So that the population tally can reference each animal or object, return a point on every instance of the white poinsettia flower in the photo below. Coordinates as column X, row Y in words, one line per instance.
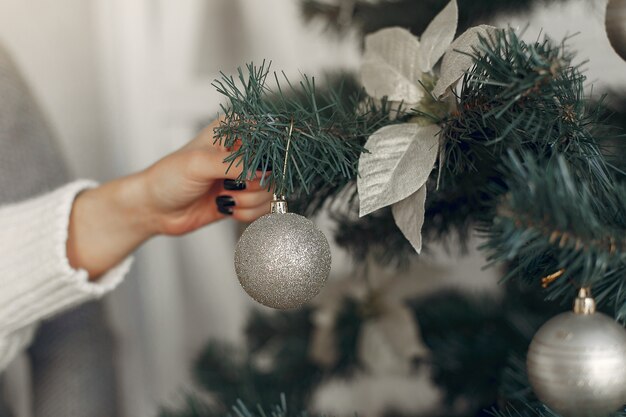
column 394, row 60
column 401, row 157
column 397, row 65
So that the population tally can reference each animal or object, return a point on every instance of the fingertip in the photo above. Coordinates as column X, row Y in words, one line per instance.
column 232, row 170
column 255, row 184
column 234, row 185
column 251, row 214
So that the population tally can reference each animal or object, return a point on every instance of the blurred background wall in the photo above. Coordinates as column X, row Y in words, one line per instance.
column 123, row 82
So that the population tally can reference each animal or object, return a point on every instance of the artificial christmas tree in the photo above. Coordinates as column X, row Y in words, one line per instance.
column 515, row 151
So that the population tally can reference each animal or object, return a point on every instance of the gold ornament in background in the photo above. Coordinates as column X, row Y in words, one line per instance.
column 615, row 21
column 577, row 362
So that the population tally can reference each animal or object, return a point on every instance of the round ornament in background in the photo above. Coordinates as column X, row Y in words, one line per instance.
column 282, row 259
column 577, row 362
column 615, row 22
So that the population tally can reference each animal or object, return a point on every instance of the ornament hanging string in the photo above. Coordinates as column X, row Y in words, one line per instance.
column 281, row 195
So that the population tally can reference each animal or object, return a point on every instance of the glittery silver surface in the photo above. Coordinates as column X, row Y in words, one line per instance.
column 282, row 260
column 577, row 365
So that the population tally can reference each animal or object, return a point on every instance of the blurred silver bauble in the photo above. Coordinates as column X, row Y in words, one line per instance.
column 615, row 22
column 577, row 362
column 282, row 260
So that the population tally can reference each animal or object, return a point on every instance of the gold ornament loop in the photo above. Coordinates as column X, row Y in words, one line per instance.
column 278, row 205
column 584, row 303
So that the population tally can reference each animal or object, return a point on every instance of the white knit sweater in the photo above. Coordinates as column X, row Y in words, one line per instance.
column 36, row 279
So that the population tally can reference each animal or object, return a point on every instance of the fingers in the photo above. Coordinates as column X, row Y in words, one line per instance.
column 250, row 214
column 206, row 137
column 255, row 184
column 243, row 205
column 245, row 200
column 208, row 165
column 206, row 158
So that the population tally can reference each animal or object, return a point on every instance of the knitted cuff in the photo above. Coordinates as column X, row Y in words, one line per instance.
column 36, row 279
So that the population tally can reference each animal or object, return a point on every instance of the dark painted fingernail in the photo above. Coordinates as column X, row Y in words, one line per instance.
column 225, row 210
column 234, row 185
column 225, row 204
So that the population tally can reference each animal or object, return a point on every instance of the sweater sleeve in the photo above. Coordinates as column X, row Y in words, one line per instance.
column 36, row 279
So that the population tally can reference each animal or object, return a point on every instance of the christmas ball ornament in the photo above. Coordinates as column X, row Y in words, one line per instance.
column 282, row 260
column 615, row 22
column 577, row 362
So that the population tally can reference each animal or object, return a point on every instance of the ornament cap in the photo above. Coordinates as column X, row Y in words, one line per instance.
column 278, row 205
column 584, row 303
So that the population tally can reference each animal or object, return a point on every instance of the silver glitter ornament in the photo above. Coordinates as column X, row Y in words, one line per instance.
column 615, row 22
column 282, row 260
column 577, row 362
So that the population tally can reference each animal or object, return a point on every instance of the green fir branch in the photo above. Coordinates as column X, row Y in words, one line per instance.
column 531, row 410
column 525, row 410
column 277, row 410
column 240, row 408
column 327, row 130
column 551, row 220
column 521, row 96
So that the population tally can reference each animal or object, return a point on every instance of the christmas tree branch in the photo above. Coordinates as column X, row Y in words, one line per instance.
column 328, row 129
column 522, row 96
column 549, row 220
column 532, row 410
column 519, row 97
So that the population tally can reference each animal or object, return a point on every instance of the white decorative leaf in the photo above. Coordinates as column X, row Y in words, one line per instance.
column 400, row 160
column 409, row 217
column 456, row 61
column 438, row 35
column 390, row 65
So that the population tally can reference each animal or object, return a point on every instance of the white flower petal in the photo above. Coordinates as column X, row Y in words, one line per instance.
column 409, row 217
column 438, row 36
column 391, row 65
column 400, row 160
column 456, row 61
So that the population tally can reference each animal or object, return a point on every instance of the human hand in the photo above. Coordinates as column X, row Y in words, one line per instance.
column 178, row 194
column 190, row 188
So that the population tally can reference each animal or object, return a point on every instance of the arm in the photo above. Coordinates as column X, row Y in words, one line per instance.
column 71, row 245
column 176, row 195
